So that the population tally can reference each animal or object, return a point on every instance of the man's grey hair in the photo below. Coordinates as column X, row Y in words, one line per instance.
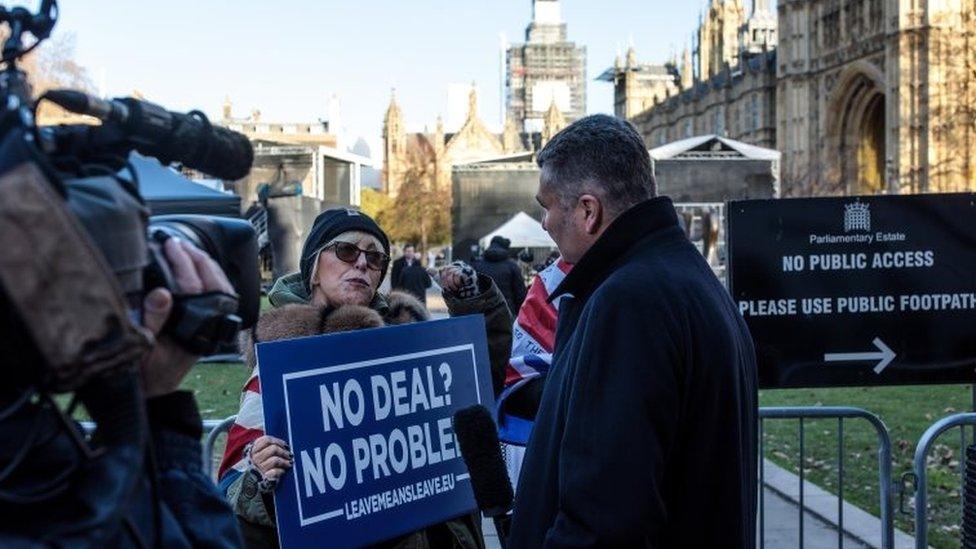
column 599, row 155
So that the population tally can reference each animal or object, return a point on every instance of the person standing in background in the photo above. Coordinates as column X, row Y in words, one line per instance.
column 414, row 278
column 396, row 271
column 506, row 273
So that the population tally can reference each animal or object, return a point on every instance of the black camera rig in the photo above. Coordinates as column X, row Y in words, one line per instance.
column 79, row 252
column 88, row 165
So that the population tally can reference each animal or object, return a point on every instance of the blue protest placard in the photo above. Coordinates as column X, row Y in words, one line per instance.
column 368, row 417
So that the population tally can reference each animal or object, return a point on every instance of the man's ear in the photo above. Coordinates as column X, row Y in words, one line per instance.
column 593, row 213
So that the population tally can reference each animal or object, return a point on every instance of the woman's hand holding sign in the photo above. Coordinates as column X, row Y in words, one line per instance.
column 271, row 457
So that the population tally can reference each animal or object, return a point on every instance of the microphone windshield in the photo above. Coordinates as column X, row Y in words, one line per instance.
column 481, row 450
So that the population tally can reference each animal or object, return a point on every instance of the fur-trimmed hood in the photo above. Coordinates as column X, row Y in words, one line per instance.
column 302, row 320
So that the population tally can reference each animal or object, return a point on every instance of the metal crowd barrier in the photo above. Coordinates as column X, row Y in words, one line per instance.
column 215, row 428
column 918, row 475
column 218, row 427
column 840, row 413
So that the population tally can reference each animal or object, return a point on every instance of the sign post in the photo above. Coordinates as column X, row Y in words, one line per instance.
column 852, row 291
column 367, row 415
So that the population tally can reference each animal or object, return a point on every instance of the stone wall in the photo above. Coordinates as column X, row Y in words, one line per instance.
column 860, row 97
column 872, row 94
column 740, row 105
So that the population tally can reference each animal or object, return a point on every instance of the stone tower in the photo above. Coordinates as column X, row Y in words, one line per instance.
column 687, row 72
column 438, row 141
column 441, row 160
column 704, row 48
column 638, row 86
column 546, row 66
column 758, row 34
column 718, row 37
column 553, row 123
column 473, row 141
column 395, row 147
column 510, row 136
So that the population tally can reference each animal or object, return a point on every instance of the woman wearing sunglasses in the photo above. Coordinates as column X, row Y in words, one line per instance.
column 343, row 261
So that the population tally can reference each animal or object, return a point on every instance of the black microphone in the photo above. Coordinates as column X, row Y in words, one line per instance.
column 482, row 453
column 152, row 130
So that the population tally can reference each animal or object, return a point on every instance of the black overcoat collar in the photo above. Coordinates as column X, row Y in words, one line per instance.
column 624, row 233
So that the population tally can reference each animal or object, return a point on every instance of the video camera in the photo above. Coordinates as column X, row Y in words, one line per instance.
column 79, row 252
column 86, row 168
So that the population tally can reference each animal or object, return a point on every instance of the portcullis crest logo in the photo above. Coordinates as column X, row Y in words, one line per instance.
column 857, row 217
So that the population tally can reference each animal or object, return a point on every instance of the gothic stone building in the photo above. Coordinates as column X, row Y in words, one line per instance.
column 725, row 86
column 473, row 142
column 639, row 86
column 860, row 96
column 739, row 104
column 876, row 95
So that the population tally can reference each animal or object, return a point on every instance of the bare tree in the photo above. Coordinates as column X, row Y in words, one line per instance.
column 967, row 100
column 422, row 211
column 53, row 65
column 954, row 168
column 809, row 178
column 967, row 38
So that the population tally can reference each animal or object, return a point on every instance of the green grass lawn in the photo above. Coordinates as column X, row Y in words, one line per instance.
column 217, row 387
column 907, row 412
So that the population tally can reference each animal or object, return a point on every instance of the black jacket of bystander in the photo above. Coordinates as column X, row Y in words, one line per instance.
column 506, row 274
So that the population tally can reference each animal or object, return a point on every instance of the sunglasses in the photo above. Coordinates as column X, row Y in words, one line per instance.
column 349, row 253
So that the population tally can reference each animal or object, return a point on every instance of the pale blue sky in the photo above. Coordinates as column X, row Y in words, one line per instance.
column 287, row 57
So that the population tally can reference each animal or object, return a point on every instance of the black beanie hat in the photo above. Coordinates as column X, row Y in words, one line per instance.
column 500, row 241
column 330, row 224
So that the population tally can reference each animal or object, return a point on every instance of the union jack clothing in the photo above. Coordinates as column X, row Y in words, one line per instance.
column 533, row 336
column 247, row 428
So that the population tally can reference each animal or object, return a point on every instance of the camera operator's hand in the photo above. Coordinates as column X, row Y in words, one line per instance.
column 194, row 273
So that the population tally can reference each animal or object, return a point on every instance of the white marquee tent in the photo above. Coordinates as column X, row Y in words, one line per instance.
column 523, row 231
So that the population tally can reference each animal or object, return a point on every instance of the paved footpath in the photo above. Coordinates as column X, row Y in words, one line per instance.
column 782, row 528
column 782, row 525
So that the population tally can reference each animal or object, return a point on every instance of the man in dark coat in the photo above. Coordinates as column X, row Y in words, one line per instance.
column 396, row 270
column 409, row 275
column 506, row 273
column 415, row 280
column 646, row 430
